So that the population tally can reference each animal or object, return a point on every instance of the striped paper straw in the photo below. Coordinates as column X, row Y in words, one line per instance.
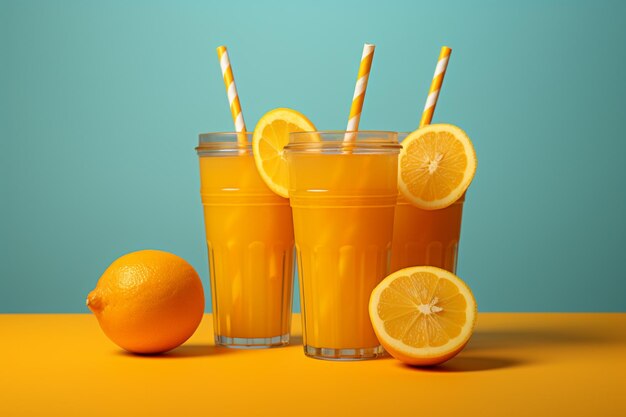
column 359, row 91
column 435, row 86
column 231, row 90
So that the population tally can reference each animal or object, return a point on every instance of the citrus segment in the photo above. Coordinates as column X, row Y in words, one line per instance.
column 437, row 164
column 422, row 315
column 270, row 136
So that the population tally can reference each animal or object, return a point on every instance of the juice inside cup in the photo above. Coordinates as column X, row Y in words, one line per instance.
column 249, row 233
column 343, row 200
column 426, row 237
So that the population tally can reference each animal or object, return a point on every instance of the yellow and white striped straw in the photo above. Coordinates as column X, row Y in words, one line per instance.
column 359, row 91
column 435, row 86
column 231, row 90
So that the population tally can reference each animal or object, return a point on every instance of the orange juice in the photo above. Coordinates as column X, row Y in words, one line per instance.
column 426, row 237
column 343, row 202
column 249, row 233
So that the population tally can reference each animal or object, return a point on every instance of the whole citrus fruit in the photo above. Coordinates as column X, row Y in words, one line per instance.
column 148, row 301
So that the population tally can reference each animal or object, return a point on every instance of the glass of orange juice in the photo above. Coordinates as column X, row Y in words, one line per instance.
column 426, row 237
column 343, row 197
column 249, row 233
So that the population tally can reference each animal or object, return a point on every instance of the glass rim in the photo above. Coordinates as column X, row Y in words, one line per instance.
column 215, row 143
column 366, row 140
column 343, row 132
column 222, row 135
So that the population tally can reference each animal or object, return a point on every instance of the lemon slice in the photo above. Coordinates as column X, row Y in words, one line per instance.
column 271, row 134
column 437, row 164
column 423, row 315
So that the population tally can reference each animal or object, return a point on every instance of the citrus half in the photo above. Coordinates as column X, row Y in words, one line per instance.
column 422, row 315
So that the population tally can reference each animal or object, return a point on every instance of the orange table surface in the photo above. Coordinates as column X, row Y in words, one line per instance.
column 517, row 364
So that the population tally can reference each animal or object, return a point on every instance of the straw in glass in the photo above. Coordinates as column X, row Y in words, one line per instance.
column 231, row 90
column 359, row 92
column 435, row 86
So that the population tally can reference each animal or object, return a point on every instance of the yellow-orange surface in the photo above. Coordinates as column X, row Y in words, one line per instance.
column 515, row 365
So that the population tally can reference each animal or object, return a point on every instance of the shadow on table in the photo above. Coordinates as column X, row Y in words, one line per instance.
column 295, row 340
column 473, row 357
column 525, row 338
column 185, row 351
column 468, row 364
column 199, row 350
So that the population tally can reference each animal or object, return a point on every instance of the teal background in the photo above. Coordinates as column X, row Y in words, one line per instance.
column 101, row 104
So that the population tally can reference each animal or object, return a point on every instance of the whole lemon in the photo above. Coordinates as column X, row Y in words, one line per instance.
column 148, row 301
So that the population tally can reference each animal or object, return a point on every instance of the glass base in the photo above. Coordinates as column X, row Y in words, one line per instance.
column 357, row 354
column 252, row 342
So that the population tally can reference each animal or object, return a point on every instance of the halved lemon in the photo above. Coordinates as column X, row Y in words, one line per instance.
column 271, row 134
column 437, row 164
column 423, row 315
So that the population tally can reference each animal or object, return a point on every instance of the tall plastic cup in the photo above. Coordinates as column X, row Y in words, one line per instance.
column 249, row 234
column 426, row 237
column 343, row 199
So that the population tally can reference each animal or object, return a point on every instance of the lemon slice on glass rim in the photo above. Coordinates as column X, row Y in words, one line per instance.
column 270, row 136
column 436, row 165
